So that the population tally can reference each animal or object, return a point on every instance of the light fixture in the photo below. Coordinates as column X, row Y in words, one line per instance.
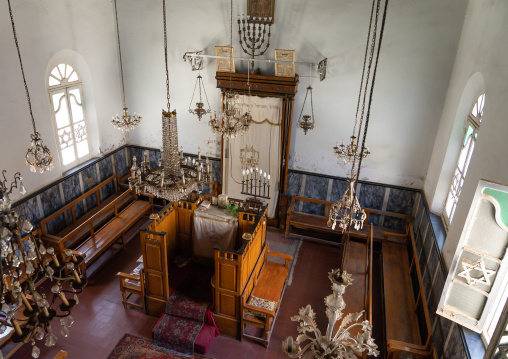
column 252, row 36
column 307, row 121
column 124, row 122
column 199, row 110
column 38, row 156
column 334, row 344
column 347, row 211
column 256, row 183
column 356, row 153
column 27, row 312
column 176, row 176
column 347, row 153
column 232, row 121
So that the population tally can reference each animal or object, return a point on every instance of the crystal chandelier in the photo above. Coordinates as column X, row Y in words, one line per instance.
column 307, row 122
column 347, row 153
column 27, row 312
column 124, row 122
column 38, row 155
column 331, row 345
column 176, row 176
column 347, row 211
column 200, row 106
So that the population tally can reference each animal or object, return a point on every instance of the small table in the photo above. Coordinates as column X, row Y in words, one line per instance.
column 213, row 226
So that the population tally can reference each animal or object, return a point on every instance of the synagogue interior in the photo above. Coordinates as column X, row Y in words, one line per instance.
column 254, row 179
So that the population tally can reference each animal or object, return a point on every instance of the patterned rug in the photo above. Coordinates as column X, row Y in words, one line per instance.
column 132, row 347
column 178, row 334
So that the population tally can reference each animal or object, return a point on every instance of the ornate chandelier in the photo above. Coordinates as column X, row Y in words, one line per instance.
column 347, row 211
column 176, row 176
column 38, row 155
column 307, row 122
column 125, row 122
column 331, row 345
column 347, row 153
column 199, row 110
column 24, row 310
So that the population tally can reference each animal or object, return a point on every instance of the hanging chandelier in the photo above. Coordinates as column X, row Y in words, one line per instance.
column 124, row 122
column 347, row 153
column 38, row 156
column 307, row 121
column 331, row 345
column 24, row 310
column 347, row 211
column 176, row 176
column 200, row 106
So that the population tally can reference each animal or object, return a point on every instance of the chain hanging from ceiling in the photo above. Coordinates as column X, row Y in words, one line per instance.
column 38, row 156
column 232, row 121
column 176, row 176
column 347, row 210
column 27, row 312
column 124, row 122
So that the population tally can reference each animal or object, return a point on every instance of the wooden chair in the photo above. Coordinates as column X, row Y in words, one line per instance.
column 132, row 284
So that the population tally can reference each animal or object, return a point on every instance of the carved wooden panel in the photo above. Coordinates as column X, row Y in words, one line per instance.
column 153, row 256
column 227, row 304
column 228, row 277
column 154, row 283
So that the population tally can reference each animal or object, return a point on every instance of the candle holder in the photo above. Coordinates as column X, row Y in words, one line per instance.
column 252, row 33
column 256, row 183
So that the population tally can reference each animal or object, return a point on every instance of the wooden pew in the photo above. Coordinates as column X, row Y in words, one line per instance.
column 71, row 238
column 297, row 219
column 91, row 240
column 132, row 283
column 267, row 285
column 408, row 330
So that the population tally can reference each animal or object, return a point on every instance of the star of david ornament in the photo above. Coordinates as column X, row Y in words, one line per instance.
column 479, row 265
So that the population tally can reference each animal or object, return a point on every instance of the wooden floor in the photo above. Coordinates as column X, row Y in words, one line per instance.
column 101, row 321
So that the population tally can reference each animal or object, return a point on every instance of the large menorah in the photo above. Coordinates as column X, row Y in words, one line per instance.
column 252, row 32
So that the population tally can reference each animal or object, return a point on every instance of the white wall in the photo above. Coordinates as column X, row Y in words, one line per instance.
column 417, row 57
column 483, row 49
column 418, row 53
column 79, row 30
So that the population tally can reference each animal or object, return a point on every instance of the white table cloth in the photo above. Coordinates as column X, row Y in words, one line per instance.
column 211, row 227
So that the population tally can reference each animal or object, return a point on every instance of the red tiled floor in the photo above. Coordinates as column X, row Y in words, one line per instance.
column 101, row 321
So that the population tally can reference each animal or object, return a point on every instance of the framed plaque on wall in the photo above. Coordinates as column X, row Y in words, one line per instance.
column 225, row 65
column 261, row 9
column 285, row 70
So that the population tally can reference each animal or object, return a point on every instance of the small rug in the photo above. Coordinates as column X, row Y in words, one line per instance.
column 132, row 347
column 180, row 305
column 178, row 334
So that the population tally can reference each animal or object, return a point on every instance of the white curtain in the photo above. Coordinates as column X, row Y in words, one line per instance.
column 265, row 138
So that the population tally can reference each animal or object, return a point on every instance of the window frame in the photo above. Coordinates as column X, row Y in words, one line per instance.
column 474, row 120
column 66, row 87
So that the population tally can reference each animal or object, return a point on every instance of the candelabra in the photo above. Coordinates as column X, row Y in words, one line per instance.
column 256, row 183
column 347, row 211
column 23, row 263
column 231, row 122
column 331, row 346
column 252, row 40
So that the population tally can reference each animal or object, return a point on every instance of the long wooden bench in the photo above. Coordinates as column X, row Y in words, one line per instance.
column 297, row 219
column 99, row 240
column 72, row 238
column 263, row 294
column 408, row 330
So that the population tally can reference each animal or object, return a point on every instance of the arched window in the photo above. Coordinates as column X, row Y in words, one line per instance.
column 473, row 122
column 67, row 109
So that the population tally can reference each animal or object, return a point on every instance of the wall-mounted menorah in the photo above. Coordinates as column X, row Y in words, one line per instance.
column 256, row 183
column 252, row 32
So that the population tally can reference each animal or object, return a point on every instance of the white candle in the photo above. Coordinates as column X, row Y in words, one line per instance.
column 181, row 152
column 243, row 173
column 199, row 153
column 183, row 179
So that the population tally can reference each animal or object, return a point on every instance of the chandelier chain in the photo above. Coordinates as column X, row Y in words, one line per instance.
column 371, row 56
column 21, row 66
column 372, row 88
column 120, row 55
column 166, row 50
column 364, row 63
column 193, row 92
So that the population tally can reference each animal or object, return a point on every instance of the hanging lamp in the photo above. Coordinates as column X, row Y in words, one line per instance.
column 306, row 122
column 200, row 109
column 124, row 122
column 38, row 156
